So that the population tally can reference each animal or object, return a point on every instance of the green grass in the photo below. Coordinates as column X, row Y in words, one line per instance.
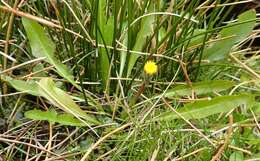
column 73, row 85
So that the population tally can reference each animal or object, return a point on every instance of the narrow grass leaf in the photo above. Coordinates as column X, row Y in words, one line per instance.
column 123, row 54
column 205, row 108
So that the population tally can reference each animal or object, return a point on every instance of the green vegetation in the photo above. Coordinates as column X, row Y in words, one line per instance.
column 129, row 80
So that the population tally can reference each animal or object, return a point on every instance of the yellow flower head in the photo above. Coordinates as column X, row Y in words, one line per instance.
column 150, row 67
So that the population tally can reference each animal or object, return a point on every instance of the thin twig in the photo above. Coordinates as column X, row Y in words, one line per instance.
column 192, row 153
column 222, row 147
column 251, row 71
column 27, row 144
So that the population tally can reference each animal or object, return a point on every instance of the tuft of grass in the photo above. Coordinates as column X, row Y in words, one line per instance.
column 73, row 85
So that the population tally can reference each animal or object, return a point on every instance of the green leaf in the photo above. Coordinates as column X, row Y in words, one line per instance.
column 162, row 33
column 218, row 50
column 40, row 43
column 256, row 108
column 68, row 119
column 42, row 46
column 205, row 108
column 52, row 116
column 106, row 28
column 23, row 86
column 145, row 31
column 241, row 31
column 232, row 34
column 108, row 31
column 198, row 39
column 39, row 70
column 62, row 100
column 123, row 54
column 41, row 115
column 200, row 88
column 236, row 156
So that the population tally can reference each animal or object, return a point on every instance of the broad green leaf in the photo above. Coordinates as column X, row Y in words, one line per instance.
column 23, row 86
column 200, row 88
column 32, row 87
column 145, row 31
column 101, row 14
column 218, row 50
column 68, row 119
column 241, row 31
column 108, row 31
column 106, row 28
column 236, row 156
column 52, row 116
column 40, row 43
column 41, row 115
column 205, row 108
column 62, row 100
column 42, row 46
column 198, row 39
column 232, row 34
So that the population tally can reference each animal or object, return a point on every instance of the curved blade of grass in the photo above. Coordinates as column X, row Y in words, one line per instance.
column 232, row 34
column 205, row 108
column 200, row 88
column 61, row 99
column 52, row 117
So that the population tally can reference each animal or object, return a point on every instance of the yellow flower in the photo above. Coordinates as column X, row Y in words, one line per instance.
column 150, row 67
